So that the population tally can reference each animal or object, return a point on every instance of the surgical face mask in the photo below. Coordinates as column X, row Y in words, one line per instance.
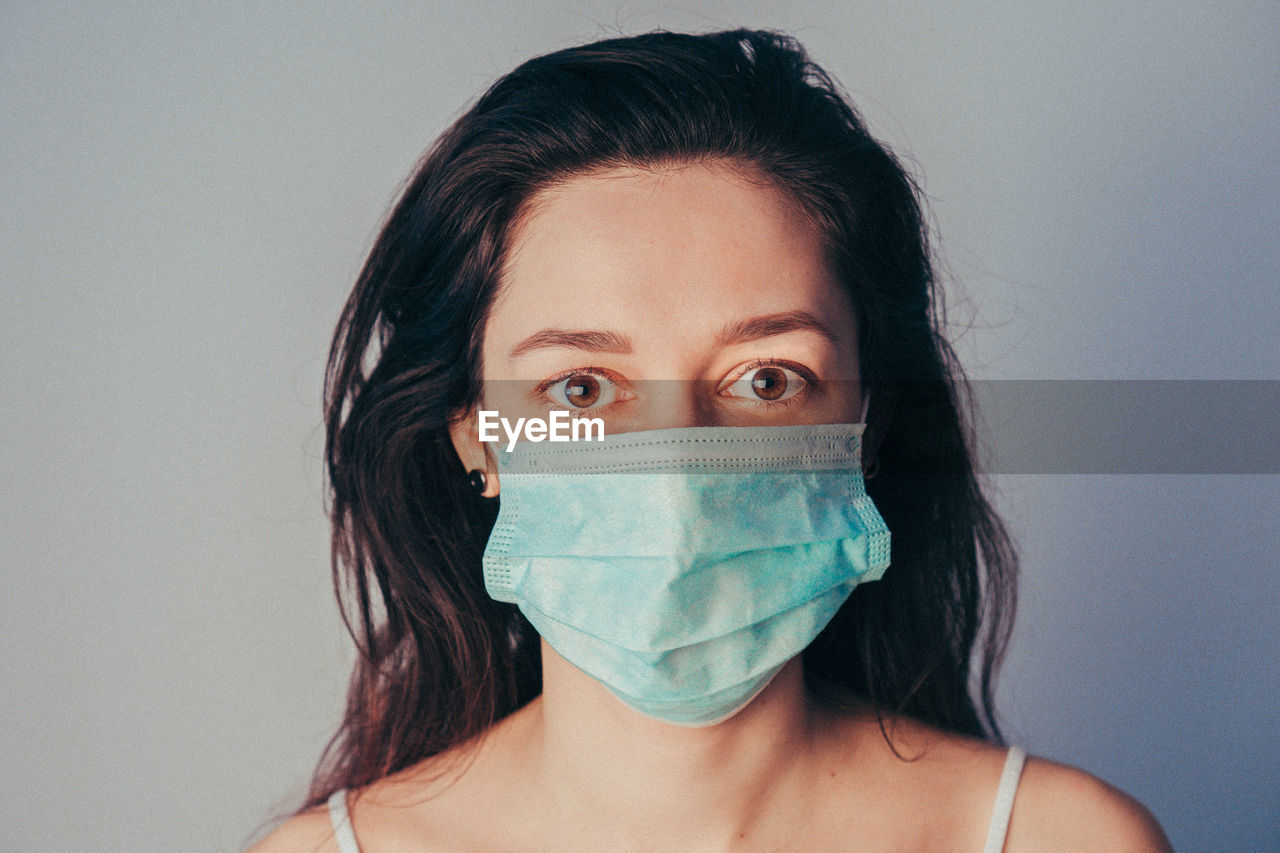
column 683, row 567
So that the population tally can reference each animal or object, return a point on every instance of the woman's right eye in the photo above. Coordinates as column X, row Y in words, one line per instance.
column 582, row 389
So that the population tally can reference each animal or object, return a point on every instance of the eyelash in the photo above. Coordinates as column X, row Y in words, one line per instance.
column 598, row 372
column 811, row 381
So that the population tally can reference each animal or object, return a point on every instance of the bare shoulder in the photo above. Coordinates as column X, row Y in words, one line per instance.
column 1063, row 808
column 949, row 783
column 308, row 832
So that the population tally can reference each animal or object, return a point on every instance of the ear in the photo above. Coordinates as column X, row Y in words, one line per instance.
column 465, row 435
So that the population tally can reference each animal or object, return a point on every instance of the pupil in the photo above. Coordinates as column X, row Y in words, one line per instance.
column 582, row 390
column 769, row 383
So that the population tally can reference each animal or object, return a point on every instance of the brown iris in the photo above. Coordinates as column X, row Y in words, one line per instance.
column 582, row 390
column 769, row 383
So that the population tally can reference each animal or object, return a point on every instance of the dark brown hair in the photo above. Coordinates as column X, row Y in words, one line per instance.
column 439, row 661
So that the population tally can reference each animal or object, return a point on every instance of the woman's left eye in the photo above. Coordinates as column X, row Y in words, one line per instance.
column 770, row 383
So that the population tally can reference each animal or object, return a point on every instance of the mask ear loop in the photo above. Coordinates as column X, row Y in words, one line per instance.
column 868, row 471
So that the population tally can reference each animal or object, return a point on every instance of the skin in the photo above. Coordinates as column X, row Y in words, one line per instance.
column 664, row 265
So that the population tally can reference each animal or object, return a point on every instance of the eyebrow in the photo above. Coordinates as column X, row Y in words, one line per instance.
column 595, row 341
column 768, row 325
column 752, row 329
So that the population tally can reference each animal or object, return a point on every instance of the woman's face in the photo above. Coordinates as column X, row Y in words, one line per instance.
column 681, row 296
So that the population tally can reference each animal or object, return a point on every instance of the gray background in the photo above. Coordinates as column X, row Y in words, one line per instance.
column 189, row 192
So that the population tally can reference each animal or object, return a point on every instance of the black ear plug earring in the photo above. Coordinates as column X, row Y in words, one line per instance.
column 478, row 481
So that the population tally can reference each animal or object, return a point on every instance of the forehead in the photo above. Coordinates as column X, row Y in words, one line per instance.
column 660, row 254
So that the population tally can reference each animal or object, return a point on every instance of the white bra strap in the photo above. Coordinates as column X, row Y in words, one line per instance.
column 999, row 826
column 341, row 820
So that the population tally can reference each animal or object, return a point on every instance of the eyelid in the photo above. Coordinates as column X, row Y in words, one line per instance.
column 737, row 373
column 599, row 372
column 621, row 386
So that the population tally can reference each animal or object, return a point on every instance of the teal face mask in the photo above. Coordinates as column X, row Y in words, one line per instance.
column 683, row 567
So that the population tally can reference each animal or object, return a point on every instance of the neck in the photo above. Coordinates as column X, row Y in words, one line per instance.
column 610, row 767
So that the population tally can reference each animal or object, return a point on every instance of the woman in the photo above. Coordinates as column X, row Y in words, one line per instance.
column 693, row 240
